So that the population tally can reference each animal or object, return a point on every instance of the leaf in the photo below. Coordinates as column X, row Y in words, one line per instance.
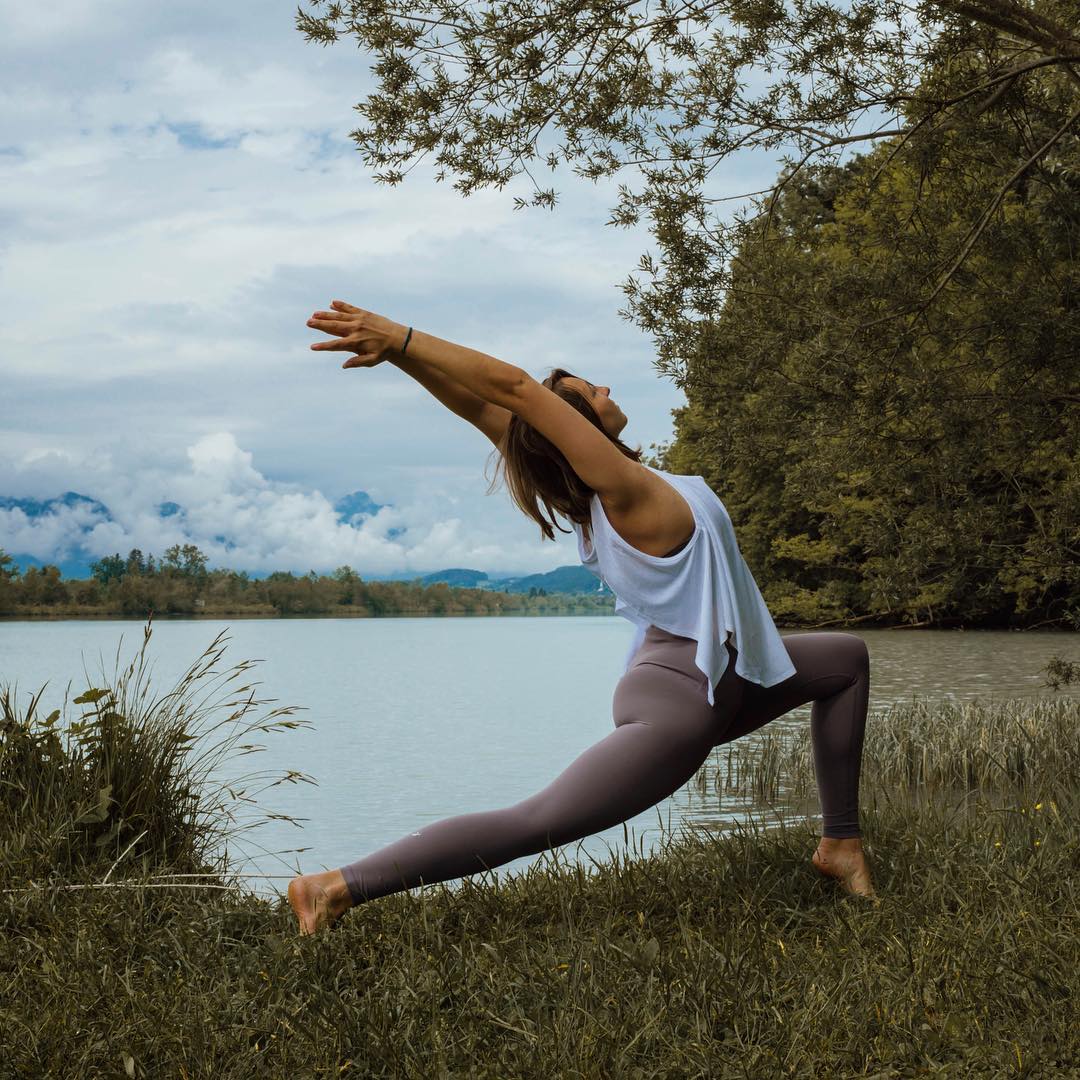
column 110, row 836
column 99, row 812
column 649, row 952
column 92, row 696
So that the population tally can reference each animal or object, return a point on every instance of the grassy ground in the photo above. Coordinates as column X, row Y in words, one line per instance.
column 717, row 956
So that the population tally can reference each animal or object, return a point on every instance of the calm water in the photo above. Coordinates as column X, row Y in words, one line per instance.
column 417, row 719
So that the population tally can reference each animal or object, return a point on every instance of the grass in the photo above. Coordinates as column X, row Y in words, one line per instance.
column 1015, row 746
column 134, row 776
column 720, row 955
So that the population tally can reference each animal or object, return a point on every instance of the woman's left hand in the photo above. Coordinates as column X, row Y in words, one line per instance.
column 368, row 335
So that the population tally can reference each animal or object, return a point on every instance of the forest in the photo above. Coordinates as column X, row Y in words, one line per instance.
column 180, row 583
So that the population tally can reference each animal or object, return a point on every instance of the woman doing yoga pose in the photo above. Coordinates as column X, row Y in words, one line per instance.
column 706, row 665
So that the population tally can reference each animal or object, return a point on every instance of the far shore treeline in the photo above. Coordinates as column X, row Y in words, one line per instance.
column 179, row 583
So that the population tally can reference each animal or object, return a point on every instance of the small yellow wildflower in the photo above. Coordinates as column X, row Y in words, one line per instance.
column 1038, row 806
column 997, row 843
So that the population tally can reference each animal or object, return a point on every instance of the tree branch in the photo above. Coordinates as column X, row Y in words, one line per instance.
column 976, row 231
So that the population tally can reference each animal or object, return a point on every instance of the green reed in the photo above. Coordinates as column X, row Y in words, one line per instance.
column 134, row 774
column 1012, row 746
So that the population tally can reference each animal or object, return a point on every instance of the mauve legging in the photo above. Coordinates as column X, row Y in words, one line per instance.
column 664, row 730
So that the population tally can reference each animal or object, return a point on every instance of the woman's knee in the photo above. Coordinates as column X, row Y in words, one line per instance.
column 857, row 651
column 834, row 648
column 530, row 822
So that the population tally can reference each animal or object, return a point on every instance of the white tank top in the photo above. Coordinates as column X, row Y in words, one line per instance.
column 704, row 591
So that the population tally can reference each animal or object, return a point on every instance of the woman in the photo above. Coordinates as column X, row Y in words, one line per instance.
column 665, row 545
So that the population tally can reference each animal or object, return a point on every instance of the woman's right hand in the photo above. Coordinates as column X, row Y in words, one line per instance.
column 369, row 335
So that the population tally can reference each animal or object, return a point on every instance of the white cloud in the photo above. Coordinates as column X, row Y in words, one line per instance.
column 244, row 521
column 178, row 192
column 222, row 464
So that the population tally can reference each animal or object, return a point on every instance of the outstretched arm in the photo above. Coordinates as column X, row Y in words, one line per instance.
column 439, row 366
column 490, row 418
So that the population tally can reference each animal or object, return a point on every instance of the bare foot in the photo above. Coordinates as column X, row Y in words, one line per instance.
column 845, row 861
column 318, row 900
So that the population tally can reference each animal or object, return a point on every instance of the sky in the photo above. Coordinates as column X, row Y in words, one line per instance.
column 178, row 193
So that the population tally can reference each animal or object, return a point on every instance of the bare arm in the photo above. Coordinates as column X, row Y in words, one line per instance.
column 490, row 418
column 475, row 386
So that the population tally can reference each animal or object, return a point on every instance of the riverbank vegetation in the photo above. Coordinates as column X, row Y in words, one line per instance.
column 129, row 945
column 181, row 584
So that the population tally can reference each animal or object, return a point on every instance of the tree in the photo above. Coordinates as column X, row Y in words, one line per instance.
column 9, row 569
column 351, row 585
column 480, row 85
column 187, row 561
column 109, row 568
column 9, row 573
column 42, row 585
column 932, row 478
column 52, row 587
column 881, row 356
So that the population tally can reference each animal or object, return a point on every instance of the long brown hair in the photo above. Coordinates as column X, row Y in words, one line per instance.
column 537, row 471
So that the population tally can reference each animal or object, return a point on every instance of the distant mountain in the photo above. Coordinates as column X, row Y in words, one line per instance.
column 75, row 566
column 35, row 508
column 357, row 504
column 465, row 579
column 74, row 563
column 563, row 579
column 351, row 509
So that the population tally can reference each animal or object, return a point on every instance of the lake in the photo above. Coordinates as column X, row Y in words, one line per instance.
column 417, row 719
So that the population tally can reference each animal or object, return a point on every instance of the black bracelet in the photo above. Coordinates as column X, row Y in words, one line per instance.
column 406, row 345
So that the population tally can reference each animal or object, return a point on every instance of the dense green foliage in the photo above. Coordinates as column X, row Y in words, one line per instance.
column 929, row 471
column 717, row 956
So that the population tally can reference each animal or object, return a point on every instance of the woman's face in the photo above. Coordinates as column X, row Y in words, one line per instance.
column 611, row 416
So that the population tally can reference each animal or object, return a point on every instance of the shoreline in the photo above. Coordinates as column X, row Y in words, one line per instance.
column 35, row 617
